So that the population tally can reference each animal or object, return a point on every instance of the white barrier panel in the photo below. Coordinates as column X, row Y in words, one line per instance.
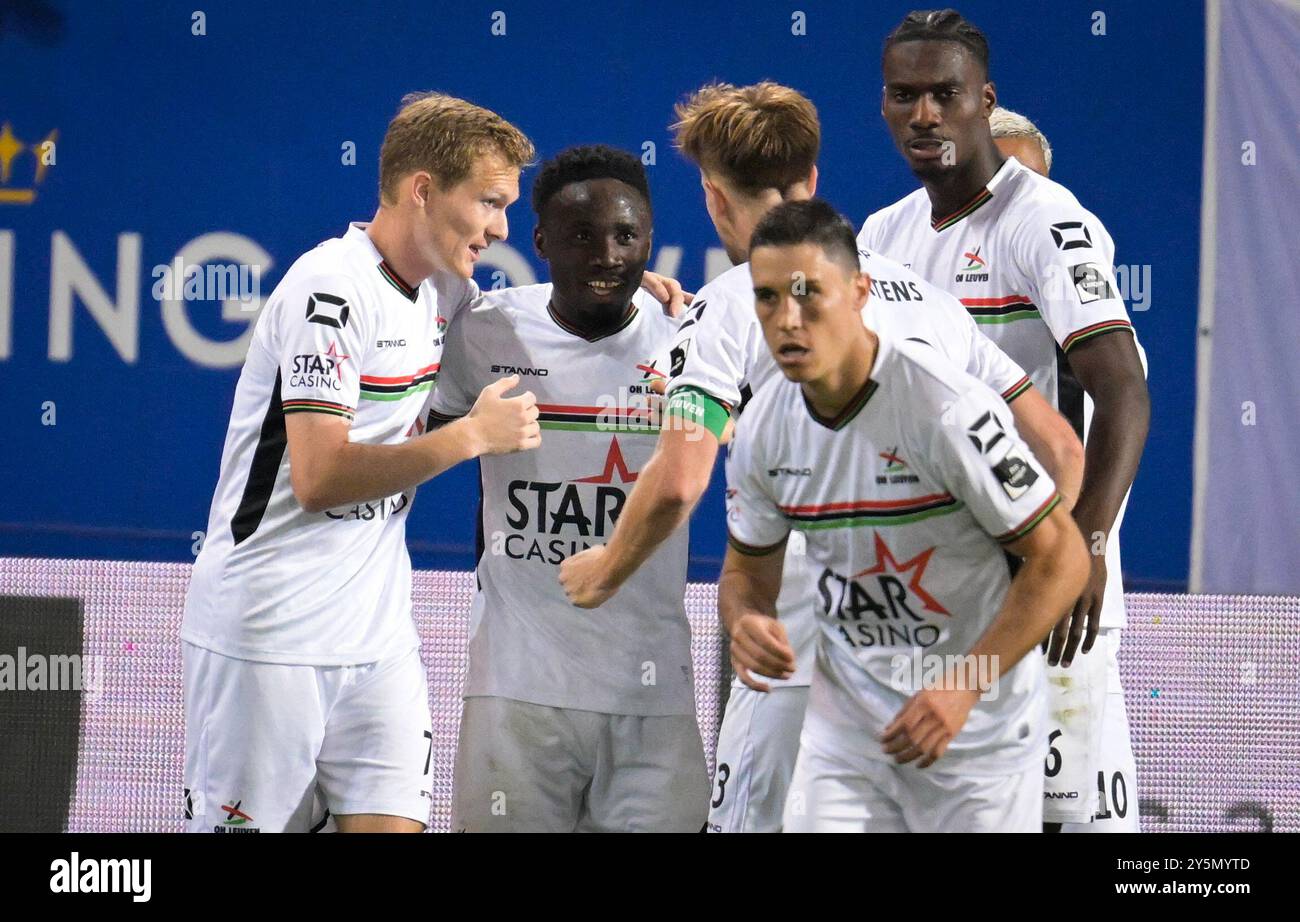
column 1211, row 684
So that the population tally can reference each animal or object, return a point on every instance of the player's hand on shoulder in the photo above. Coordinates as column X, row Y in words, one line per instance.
column 583, row 578
column 666, row 291
column 929, row 721
column 759, row 644
column 504, row 424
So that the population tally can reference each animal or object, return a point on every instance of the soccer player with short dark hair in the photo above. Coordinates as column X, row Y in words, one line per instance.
column 927, row 709
column 575, row 720
column 1035, row 270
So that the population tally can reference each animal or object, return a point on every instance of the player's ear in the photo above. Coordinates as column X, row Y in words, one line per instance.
column 990, row 99
column 714, row 198
column 420, row 188
column 862, row 289
column 539, row 240
column 812, row 181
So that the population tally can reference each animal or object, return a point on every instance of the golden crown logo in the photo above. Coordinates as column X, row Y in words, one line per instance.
column 10, row 148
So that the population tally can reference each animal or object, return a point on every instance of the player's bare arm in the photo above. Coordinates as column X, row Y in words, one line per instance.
column 1054, row 571
column 328, row 470
column 747, row 592
column 1052, row 441
column 666, row 493
column 1110, row 371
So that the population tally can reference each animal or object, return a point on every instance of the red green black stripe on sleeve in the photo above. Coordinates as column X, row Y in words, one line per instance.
column 1030, row 523
column 1017, row 389
column 1106, row 326
column 304, row 405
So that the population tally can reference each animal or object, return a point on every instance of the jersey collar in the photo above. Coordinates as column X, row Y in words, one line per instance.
column 392, row 278
column 859, row 400
column 574, row 331
column 410, row 293
column 980, row 199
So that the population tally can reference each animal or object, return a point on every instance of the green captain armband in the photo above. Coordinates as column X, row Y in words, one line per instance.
column 699, row 407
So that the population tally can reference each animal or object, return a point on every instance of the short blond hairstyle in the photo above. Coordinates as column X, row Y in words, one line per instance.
column 445, row 135
column 764, row 136
column 1007, row 124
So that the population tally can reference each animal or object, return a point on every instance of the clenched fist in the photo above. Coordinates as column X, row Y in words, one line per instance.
column 503, row 424
column 759, row 644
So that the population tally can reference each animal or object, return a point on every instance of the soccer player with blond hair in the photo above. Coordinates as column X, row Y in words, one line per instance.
column 305, row 697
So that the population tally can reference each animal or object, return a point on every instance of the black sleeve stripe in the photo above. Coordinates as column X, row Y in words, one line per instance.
column 437, row 420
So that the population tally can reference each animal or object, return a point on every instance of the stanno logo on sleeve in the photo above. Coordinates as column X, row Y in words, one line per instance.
column 330, row 310
column 694, row 314
column 986, row 432
column 1070, row 235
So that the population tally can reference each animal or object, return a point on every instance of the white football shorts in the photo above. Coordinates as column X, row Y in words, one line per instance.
column 828, row 794
column 1114, row 773
column 757, row 747
column 279, row 748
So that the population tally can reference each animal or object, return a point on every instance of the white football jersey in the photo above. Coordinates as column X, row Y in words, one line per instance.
column 720, row 354
column 600, row 421
column 343, row 335
column 1035, row 269
column 904, row 500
